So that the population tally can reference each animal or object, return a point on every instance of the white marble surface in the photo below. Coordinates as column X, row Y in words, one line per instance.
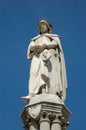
column 50, row 98
column 47, row 71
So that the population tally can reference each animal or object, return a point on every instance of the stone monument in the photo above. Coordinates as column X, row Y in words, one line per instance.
column 45, row 108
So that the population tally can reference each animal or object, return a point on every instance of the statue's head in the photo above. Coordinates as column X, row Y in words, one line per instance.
column 44, row 26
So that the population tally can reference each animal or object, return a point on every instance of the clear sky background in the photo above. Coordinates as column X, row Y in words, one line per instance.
column 18, row 24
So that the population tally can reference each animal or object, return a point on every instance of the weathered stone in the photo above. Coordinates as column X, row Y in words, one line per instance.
column 52, row 114
column 45, row 109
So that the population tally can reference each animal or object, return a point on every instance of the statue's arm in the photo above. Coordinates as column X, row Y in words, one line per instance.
column 34, row 49
column 57, row 39
column 30, row 51
column 54, row 43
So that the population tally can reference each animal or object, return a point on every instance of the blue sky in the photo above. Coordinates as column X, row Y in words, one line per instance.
column 18, row 24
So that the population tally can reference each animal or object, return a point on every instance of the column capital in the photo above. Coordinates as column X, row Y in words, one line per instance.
column 44, row 116
column 45, row 111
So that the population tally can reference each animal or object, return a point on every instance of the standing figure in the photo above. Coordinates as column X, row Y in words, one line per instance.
column 47, row 72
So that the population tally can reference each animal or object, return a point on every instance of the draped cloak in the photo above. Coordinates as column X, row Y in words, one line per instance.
column 47, row 65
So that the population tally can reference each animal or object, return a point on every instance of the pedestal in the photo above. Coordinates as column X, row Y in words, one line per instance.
column 45, row 112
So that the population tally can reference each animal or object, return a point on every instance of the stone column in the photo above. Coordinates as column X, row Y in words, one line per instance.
column 56, row 123
column 33, row 126
column 28, row 122
column 44, row 112
column 44, row 121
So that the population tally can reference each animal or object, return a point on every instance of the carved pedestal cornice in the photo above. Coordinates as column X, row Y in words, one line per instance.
column 47, row 112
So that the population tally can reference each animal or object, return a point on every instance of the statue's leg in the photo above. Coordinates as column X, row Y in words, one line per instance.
column 44, row 88
column 47, row 90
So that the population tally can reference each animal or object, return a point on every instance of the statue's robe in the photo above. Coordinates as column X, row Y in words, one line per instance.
column 47, row 66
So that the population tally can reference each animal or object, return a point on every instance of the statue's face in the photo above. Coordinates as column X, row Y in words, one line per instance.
column 43, row 28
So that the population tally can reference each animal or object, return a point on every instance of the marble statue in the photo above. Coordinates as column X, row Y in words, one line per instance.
column 47, row 71
column 45, row 108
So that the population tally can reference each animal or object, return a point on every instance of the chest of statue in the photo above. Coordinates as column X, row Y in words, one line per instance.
column 42, row 40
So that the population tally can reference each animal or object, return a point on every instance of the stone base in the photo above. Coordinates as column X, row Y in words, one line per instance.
column 45, row 112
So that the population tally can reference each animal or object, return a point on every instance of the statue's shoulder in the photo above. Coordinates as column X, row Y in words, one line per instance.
column 36, row 37
column 47, row 34
column 53, row 35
